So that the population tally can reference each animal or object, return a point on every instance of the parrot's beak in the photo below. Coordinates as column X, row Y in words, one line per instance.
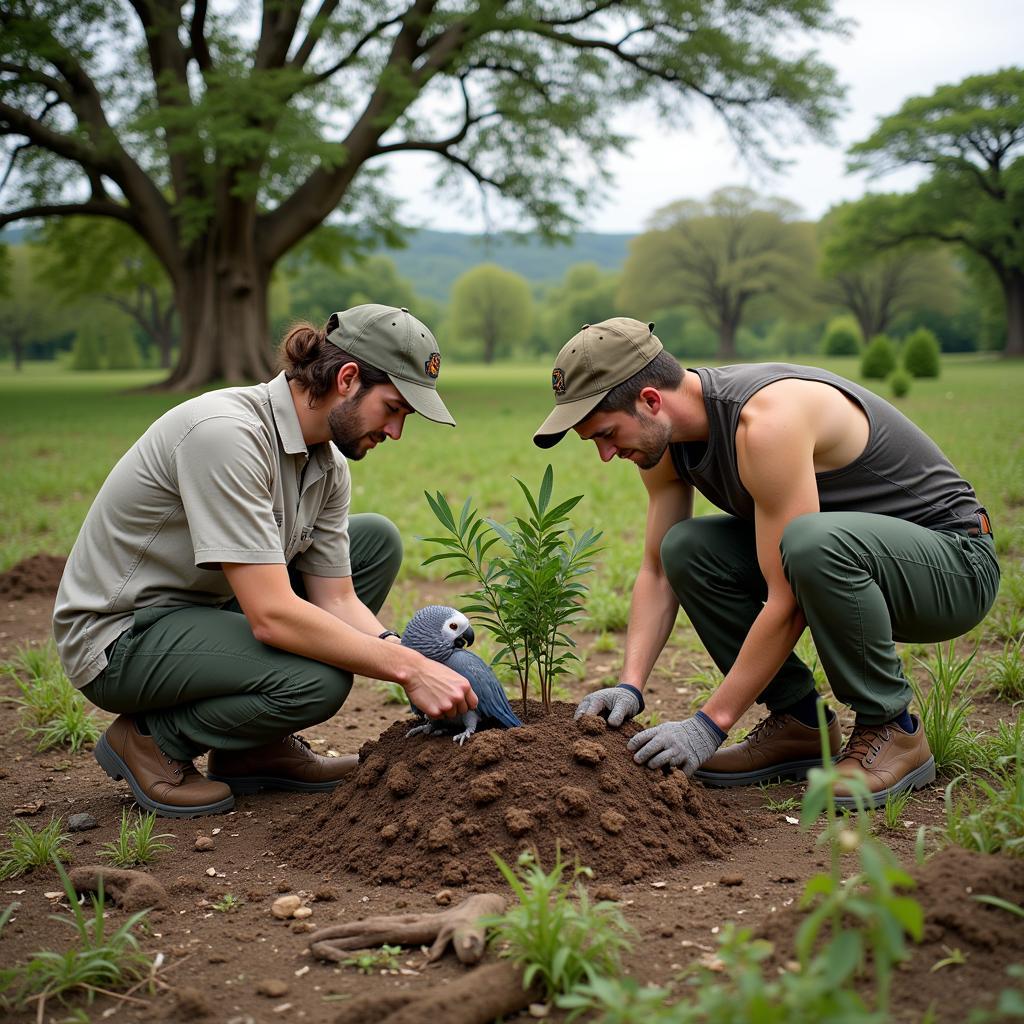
column 466, row 639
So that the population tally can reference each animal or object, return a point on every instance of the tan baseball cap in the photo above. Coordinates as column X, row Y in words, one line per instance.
column 394, row 341
column 590, row 364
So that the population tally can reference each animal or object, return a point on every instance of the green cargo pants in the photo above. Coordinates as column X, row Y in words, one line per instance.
column 204, row 681
column 862, row 581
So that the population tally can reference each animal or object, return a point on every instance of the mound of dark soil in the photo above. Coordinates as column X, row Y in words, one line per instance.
column 424, row 812
column 39, row 574
column 988, row 937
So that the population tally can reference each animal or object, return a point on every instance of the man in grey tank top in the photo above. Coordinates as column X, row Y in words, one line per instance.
column 839, row 515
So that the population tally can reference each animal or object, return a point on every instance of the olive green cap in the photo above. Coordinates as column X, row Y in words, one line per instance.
column 590, row 364
column 394, row 341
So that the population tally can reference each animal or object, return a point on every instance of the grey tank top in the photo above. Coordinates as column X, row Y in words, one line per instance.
column 900, row 473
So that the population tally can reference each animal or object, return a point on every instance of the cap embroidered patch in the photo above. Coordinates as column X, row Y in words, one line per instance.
column 433, row 364
column 558, row 381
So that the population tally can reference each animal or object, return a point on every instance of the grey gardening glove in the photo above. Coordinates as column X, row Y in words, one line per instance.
column 685, row 745
column 622, row 703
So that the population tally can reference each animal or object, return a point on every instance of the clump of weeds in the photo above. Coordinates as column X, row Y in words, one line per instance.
column 780, row 805
column 988, row 816
column 373, row 961
column 559, row 936
column 98, row 961
column 30, row 849
column 393, row 693
column 135, row 843
column 945, row 710
column 51, row 711
column 227, row 903
column 1005, row 671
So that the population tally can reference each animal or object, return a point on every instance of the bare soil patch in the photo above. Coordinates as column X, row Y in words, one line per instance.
column 39, row 574
column 243, row 964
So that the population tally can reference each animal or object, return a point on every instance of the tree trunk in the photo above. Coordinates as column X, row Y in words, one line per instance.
column 1013, row 290
column 727, row 339
column 225, row 331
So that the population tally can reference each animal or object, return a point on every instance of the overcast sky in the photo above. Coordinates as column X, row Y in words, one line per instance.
column 898, row 48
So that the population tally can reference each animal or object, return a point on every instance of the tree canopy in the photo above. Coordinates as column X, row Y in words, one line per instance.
column 719, row 256
column 223, row 135
column 879, row 286
column 492, row 306
column 970, row 136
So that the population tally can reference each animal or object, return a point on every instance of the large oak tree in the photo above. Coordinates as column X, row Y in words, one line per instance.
column 720, row 256
column 970, row 137
column 223, row 140
column 877, row 287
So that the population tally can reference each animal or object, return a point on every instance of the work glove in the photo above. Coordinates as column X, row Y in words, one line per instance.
column 621, row 702
column 685, row 745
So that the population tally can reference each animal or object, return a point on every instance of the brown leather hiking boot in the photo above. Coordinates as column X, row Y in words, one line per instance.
column 779, row 746
column 171, row 788
column 287, row 763
column 888, row 759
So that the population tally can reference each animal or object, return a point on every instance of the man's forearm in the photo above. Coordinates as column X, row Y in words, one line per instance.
column 652, row 614
column 302, row 628
column 769, row 642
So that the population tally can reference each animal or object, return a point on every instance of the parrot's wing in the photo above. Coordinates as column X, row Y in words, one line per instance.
column 491, row 698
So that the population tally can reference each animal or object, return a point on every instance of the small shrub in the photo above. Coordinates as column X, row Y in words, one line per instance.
column 135, row 843
column 559, row 937
column 842, row 337
column 899, row 383
column 87, row 351
column 879, row 359
column 528, row 593
column 123, row 350
column 30, row 849
column 921, row 354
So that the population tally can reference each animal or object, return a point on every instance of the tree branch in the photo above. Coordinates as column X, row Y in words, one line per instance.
column 280, row 20
column 315, row 33
column 197, row 38
column 96, row 207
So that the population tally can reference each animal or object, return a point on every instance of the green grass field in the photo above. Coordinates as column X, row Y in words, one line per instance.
column 61, row 432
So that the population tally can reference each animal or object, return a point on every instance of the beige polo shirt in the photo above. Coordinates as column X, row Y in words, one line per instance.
column 225, row 477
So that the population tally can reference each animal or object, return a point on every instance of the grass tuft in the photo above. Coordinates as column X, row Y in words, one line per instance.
column 944, row 710
column 558, row 935
column 135, row 843
column 97, row 961
column 30, row 849
column 52, row 711
column 989, row 816
column 1005, row 671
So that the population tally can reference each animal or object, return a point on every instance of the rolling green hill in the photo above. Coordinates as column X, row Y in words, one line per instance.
column 434, row 259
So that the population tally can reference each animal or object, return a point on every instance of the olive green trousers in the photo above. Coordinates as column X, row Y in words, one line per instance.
column 203, row 681
column 862, row 582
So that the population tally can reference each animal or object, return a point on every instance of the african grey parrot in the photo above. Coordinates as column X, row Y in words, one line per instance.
column 441, row 633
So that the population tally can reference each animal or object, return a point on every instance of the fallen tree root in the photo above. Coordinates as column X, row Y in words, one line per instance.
column 129, row 890
column 479, row 997
column 459, row 925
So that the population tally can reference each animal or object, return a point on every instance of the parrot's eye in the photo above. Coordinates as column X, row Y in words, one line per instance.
column 452, row 625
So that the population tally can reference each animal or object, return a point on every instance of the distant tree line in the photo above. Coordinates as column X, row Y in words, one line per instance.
column 732, row 275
